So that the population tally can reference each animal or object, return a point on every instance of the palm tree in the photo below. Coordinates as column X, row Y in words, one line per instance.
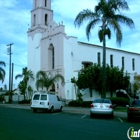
column 30, row 91
column 47, row 80
column 108, row 13
column 2, row 71
column 26, row 75
column 22, row 88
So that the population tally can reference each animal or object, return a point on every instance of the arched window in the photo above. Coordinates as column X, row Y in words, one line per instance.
column 99, row 58
column 111, row 60
column 45, row 3
column 123, row 62
column 133, row 64
column 51, row 55
column 53, row 58
column 34, row 20
column 46, row 18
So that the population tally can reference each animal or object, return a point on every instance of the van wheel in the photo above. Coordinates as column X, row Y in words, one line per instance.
column 34, row 110
column 60, row 110
column 52, row 110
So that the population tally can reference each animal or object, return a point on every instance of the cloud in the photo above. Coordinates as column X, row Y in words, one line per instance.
column 8, row 4
column 69, row 9
column 14, row 20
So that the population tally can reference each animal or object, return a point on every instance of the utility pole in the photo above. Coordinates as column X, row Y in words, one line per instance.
column 12, row 77
column 9, row 53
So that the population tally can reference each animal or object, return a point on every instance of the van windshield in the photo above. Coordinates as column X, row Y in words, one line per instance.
column 43, row 97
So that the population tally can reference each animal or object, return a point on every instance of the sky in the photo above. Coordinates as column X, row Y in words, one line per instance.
column 15, row 20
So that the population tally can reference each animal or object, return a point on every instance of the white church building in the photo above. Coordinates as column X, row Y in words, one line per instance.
column 52, row 50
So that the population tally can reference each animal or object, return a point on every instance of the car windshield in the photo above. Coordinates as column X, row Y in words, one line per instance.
column 102, row 101
column 136, row 102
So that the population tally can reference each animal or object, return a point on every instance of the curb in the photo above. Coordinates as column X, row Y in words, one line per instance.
column 77, row 110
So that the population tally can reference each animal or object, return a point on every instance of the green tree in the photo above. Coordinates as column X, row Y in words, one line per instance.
column 90, row 77
column 108, row 13
column 74, row 81
column 30, row 91
column 45, row 80
column 136, row 84
column 26, row 75
column 116, row 79
column 22, row 88
column 2, row 71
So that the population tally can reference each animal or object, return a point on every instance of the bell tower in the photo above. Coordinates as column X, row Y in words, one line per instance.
column 41, row 15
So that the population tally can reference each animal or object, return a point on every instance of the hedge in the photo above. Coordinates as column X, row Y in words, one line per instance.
column 75, row 103
column 24, row 102
column 119, row 101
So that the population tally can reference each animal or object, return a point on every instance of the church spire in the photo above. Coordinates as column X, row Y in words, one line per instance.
column 41, row 15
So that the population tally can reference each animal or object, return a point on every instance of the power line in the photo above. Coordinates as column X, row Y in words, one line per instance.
column 17, row 65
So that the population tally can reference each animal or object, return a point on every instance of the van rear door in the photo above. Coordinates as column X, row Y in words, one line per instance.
column 59, row 102
column 35, row 100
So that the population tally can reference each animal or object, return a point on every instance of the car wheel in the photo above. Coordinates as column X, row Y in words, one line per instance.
column 111, row 116
column 129, row 118
column 60, row 110
column 52, row 109
column 35, row 110
column 91, row 115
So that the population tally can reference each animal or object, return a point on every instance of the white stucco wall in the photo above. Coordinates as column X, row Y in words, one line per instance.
column 76, row 52
column 34, row 57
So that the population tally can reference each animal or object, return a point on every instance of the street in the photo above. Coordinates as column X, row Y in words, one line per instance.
column 23, row 124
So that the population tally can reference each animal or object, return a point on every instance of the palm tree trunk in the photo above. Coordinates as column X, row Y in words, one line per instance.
column 104, row 65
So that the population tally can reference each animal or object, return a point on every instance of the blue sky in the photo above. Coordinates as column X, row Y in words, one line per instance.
column 15, row 21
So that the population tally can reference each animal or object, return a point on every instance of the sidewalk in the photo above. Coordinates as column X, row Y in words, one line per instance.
column 78, row 110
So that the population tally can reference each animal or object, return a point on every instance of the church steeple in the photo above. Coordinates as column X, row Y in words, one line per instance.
column 41, row 15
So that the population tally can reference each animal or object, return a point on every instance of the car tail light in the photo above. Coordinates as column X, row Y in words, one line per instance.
column 91, row 105
column 133, row 109
column 111, row 106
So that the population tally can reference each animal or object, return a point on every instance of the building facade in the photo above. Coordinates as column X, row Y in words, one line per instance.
column 52, row 50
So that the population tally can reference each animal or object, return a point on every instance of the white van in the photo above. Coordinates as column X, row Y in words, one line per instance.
column 45, row 101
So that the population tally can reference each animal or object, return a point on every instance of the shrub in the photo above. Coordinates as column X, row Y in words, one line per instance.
column 24, row 102
column 75, row 103
column 86, row 103
column 1, row 98
column 119, row 101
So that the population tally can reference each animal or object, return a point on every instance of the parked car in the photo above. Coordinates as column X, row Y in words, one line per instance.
column 45, row 101
column 133, row 110
column 101, row 107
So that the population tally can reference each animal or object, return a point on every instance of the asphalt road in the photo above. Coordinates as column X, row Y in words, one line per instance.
column 23, row 124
